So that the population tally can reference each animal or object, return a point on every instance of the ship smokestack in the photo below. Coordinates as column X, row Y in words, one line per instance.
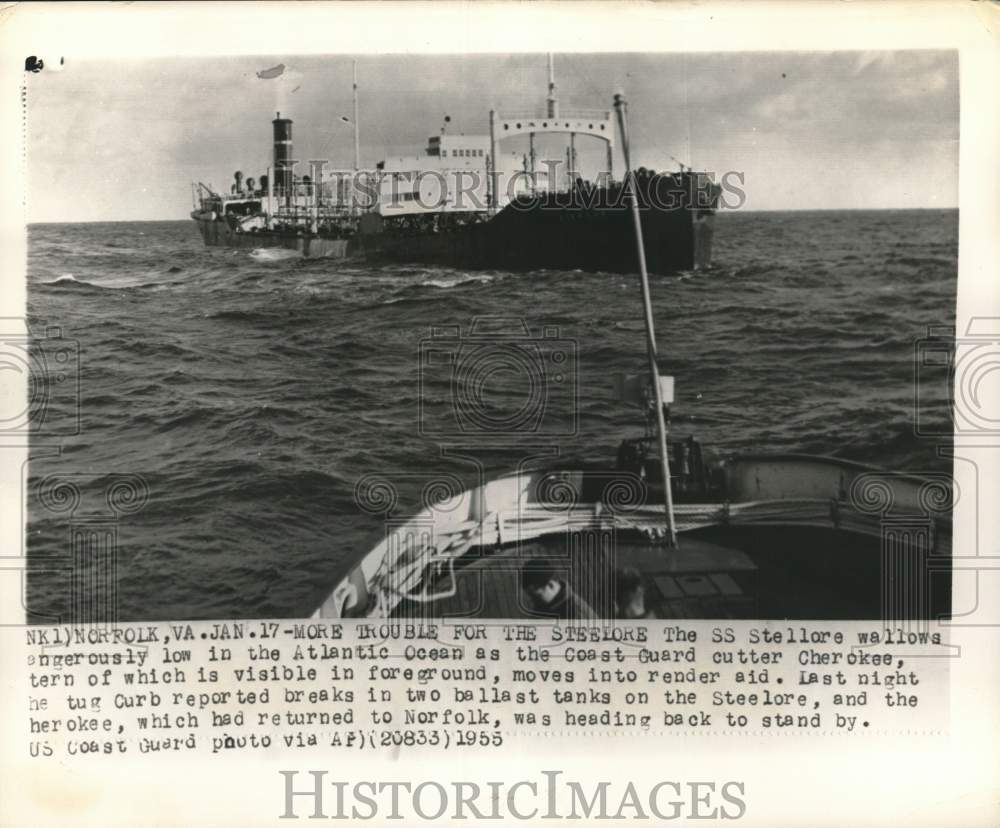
column 283, row 173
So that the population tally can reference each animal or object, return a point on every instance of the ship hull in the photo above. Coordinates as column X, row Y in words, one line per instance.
column 590, row 231
column 593, row 241
column 218, row 233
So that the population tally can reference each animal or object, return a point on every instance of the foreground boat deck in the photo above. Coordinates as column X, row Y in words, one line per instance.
column 781, row 537
column 700, row 579
column 767, row 572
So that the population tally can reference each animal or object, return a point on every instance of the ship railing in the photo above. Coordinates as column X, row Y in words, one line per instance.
column 304, row 205
column 414, row 562
column 303, row 194
column 779, row 512
column 307, row 197
column 404, row 574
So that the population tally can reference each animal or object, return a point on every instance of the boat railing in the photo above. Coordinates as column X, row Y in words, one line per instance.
column 409, row 554
column 418, row 561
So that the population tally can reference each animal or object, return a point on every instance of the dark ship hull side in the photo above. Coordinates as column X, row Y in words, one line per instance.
column 589, row 230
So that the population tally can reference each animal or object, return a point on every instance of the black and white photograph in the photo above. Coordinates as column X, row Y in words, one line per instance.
column 511, row 412
column 397, row 336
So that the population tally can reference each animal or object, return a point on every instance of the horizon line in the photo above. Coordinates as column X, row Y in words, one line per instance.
column 718, row 212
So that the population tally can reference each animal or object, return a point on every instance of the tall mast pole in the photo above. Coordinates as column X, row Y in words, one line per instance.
column 647, row 304
column 553, row 104
column 357, row 137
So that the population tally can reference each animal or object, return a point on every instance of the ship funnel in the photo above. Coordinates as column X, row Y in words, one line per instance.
column 283, row 156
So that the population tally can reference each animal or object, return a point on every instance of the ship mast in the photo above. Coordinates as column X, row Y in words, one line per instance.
column 647, row 304
column 552, row 111
column 357, row 137
column 553, row 104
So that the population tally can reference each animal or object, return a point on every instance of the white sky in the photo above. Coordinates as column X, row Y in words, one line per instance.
column 122, row 139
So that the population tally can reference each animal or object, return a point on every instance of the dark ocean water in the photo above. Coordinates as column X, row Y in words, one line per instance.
column 251, row 392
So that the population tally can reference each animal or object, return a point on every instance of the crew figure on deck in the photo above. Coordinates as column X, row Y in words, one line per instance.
column 550, row 594
column 630, row 595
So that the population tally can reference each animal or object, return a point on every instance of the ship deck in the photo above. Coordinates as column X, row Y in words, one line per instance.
column 763, row 572
column 700, row 579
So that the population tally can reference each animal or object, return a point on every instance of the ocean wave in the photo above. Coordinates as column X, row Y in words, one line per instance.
column 308, row 485
column 895, row 445
column 257, row 433
column 239, row 315
column 924, row 261
column 68, row 280
column 253, row 395
column 273, row 254
column 444, row 284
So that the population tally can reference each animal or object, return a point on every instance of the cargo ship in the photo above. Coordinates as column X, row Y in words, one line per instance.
column 465, row 202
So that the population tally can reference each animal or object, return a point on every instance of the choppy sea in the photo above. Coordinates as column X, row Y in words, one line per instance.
column 242, row 395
